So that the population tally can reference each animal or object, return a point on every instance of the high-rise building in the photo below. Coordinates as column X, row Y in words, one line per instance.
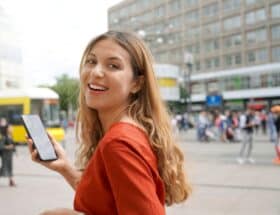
column 11, row 72
column 235, row 44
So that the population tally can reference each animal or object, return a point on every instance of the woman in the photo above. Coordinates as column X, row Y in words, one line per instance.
column 129, row 162
column 7, row 150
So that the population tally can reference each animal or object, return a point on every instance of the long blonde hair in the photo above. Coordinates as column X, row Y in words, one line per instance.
column 146, row 108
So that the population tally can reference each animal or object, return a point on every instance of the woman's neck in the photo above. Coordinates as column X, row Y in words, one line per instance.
column 110, row 117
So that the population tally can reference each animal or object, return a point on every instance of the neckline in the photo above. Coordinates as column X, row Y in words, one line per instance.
column 129, row 124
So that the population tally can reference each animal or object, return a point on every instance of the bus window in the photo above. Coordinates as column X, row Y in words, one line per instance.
column 12, row 113
column 51, row 115
column 36, row 107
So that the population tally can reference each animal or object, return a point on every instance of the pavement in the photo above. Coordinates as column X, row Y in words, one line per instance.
column 221, row 186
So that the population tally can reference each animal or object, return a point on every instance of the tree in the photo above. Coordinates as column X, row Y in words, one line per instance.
column 68, row 90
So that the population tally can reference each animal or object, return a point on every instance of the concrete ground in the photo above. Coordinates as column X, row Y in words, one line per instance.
column 221, row 186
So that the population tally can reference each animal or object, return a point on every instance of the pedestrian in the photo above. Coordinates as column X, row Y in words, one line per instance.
column 271, row 117
column 247, row 125
column 7, row 148
column 277, row 141
column 128, row 160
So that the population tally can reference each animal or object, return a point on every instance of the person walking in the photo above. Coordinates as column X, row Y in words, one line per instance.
column 247, row 125
column 7, row 149
column 277, row 140
column 271, row 117
column 127, row 159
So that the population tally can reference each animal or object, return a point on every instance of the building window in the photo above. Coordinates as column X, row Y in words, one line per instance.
column 198, row 88
column 228, row 60
column 255, row 81
column 192, row 16
column 211, row 45
column 231, row 60
column 256, row 36
column 250, row 2
column 237, row 59
column 212, row 28
column 232, row 41
column 197, row 66
column 276, row 54
column 255, row 16
column 275, row 32
column 251, row 57
column 160, row 12
column 194, row 49
column 231, row 5
column 212, row 63
column 275, row 11
column 193, row 32
column 260, row 55
column 211, row 10
column 175, row 22
column 175, row 6
column 232, row 23
column 189, row 3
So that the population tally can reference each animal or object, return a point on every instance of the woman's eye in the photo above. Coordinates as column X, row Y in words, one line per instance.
column 90, row 61
column 113, row 66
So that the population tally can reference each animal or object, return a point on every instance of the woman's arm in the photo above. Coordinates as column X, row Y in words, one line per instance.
column 71, row 175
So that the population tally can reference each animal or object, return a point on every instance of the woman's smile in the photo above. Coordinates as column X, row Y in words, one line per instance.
column 97, row 89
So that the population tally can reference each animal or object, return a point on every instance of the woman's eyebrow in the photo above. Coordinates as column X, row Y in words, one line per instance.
column 114, row 58
column 91, row 54
column 109, row 58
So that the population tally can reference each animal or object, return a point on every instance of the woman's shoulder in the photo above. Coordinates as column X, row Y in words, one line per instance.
column 126, row 130
column 126, row 134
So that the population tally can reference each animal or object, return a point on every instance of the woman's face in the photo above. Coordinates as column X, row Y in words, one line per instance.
column 108, row 77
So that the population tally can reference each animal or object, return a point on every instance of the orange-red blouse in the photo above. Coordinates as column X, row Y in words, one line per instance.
column 122, row 176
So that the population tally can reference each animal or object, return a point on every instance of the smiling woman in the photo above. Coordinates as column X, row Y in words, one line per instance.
column 129, row 161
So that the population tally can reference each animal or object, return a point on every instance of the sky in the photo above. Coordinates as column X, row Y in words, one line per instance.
column 54, row 33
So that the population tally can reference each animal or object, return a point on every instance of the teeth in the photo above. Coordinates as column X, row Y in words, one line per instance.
column 96, row 87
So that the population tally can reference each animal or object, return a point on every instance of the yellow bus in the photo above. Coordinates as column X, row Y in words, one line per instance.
column 41, row 101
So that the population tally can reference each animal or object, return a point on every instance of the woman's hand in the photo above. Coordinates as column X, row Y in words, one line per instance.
column 61, row 211
column 58, row 165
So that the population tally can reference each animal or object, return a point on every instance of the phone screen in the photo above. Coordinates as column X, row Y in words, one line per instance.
column 37, row 133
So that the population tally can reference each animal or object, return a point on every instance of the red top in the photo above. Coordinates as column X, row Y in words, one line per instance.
column 122, row 176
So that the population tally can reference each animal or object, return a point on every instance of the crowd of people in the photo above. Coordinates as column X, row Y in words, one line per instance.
column 233, row 127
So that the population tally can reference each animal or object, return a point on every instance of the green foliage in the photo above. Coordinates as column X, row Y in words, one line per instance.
column 68, row 91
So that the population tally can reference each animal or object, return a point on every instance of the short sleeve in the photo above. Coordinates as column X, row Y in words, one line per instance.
column 131, row 180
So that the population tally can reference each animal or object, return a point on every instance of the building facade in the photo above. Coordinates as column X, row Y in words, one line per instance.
column 222, row 35
column 11, row 71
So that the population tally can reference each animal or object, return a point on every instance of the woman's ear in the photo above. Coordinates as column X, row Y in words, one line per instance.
column 138, row 83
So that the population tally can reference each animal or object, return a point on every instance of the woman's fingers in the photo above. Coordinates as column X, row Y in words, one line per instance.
column 58, row 148
column 51, row 138
column 34, row 155
column 32, row 150
column 30, row 144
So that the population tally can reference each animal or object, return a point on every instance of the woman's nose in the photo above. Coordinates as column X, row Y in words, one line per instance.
column 97, row 71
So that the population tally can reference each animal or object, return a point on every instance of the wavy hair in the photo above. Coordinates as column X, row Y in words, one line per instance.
column 146, row 108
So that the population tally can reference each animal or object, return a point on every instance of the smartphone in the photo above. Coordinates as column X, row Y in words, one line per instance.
column 36, row 131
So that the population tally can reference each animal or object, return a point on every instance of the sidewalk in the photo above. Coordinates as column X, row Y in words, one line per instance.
column 224, row 187
column 220, row 185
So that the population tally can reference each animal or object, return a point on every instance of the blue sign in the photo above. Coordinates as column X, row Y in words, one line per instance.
column 214, row 100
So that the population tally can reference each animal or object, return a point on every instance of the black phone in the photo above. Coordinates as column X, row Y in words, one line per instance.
column 36, row 131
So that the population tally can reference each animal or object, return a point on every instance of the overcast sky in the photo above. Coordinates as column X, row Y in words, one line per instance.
column 54, row 34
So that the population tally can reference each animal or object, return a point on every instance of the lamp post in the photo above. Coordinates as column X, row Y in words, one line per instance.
column 188, row 61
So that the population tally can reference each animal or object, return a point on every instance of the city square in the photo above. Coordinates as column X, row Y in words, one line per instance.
column 221, row 186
